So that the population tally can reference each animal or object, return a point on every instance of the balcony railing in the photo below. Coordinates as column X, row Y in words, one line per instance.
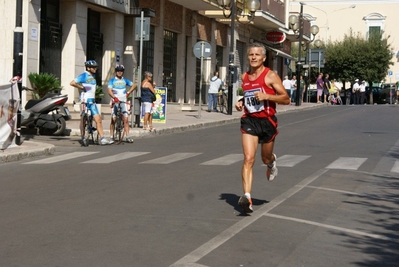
column 274, row 7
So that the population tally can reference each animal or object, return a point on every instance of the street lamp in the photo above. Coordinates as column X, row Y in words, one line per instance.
column 250, row 6
column 296, row 23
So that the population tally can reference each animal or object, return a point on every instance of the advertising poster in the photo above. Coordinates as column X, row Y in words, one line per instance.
column 9, row 102
column 159, row 106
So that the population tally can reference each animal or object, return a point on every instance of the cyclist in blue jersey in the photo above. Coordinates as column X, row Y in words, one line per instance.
column 87, row 83
column 117, row 91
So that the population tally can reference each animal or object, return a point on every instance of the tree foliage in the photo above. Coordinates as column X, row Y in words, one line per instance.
column 358, row 58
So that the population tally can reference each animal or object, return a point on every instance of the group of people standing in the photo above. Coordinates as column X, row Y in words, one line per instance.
column 119, row 88
column 291, row 87
column 359, row 92
column 326, row 88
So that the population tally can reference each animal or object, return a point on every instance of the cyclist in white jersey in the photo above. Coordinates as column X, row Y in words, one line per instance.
column 87, row 83
column 117, row 91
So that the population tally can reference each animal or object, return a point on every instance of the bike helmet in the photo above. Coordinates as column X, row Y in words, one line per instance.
column 91, row 63
column 119, row 68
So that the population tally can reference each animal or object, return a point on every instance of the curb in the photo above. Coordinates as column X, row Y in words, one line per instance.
column 28, row 149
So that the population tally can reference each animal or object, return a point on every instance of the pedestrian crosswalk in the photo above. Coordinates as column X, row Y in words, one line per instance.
column 341, row 163
column 170, row 158
column 347, row 163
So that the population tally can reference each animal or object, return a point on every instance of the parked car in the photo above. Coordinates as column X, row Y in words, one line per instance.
column 384, row 94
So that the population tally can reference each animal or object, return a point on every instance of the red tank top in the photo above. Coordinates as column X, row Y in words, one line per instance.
column 253, row 108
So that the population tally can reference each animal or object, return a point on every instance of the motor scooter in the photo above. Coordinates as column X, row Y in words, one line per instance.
column 47, row 115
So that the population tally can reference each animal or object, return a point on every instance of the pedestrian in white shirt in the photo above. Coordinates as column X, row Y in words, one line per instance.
column 362, row 90
column 213, row 92
column 287, row 85
column 356, row 92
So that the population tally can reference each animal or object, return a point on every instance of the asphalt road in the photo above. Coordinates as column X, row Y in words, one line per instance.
column 171, row 200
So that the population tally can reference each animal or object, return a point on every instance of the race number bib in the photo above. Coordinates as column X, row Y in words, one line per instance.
column 89, row 91
column 251, row 104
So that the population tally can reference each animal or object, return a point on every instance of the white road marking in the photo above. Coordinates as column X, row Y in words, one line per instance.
column 117, row 157
column 225, row 160
column 395, row 167
column 230, row 232
column 371, row 196
column 290, row 160
column 171, row 158
column 347, row 163
column 341, row 229
column 61, row 157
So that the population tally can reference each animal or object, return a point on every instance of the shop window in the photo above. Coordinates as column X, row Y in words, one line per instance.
column 148, row 52
column 50, row 38
column 219, row 57
column 95, row 41
column 170, row 64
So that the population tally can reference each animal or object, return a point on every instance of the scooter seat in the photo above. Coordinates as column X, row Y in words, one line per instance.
column 32, row 102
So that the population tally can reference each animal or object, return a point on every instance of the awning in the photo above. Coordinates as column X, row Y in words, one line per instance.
column 280, row 53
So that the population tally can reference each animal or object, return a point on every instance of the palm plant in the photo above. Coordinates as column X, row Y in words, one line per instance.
column 43, row 83
column 99, row 93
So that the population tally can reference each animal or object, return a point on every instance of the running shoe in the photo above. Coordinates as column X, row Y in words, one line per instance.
column 129, row 139
column 272, row 170
column 246, row 204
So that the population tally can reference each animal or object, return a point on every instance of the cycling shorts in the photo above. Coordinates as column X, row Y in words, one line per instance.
column 91, row 105
column 115, row 106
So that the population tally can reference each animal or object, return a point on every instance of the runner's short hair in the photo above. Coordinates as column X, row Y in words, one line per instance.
column 252, row 45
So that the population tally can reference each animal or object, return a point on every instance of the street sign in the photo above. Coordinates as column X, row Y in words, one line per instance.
column 390, row 73
column 316, row 57
column 202, row 49
column 146, row 29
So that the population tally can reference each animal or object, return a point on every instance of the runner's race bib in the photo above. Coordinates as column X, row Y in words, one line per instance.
column 89, row 91
column 251, row 104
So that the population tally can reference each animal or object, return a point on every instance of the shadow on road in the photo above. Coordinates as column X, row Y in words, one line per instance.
column 232, row 200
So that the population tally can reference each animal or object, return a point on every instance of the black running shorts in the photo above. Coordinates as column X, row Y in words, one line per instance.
column 264, row 128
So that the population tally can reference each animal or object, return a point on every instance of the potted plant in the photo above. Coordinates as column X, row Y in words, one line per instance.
column 43, row 83
column 99, row 93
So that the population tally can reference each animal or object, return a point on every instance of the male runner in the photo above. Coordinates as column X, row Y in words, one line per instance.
column 262, row 90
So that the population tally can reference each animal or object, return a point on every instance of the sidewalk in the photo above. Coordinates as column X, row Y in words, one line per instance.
column 176, row 121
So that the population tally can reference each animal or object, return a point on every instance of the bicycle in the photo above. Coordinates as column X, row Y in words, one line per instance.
column 87, row 127
column 222, row 100
column 334, row 100
column 119, row 127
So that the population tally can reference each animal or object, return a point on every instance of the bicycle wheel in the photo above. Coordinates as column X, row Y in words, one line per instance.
column 83, row 123
column 118, row 128
column 90, row 130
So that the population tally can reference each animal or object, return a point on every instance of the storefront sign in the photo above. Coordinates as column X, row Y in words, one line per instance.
column 275, row 37
column 159, row 106
column 117, row 5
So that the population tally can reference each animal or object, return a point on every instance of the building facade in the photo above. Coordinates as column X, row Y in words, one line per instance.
column 337, row 18
column 60, row 35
